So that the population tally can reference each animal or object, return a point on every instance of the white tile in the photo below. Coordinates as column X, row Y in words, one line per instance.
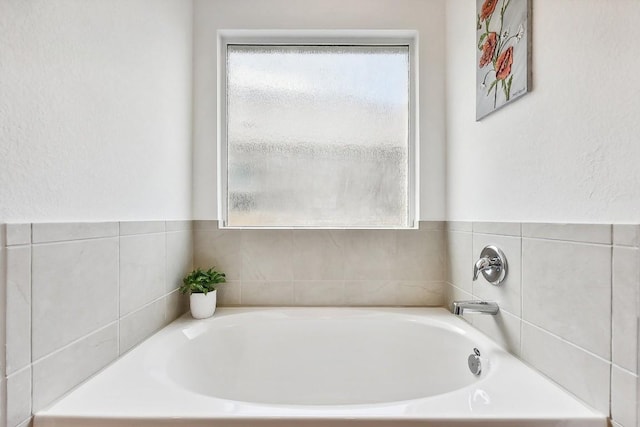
column 432, row 225
column 453, row 293
column 176, row 305
column 626, row 235
column 267, row 255
column 566, row 289
column 583, row 374
column 18, row 315
column 27, row 423
column 18, row 234
column 18, row 397
column 370, row 292
column 3, row 392
column 420, row 255
column 141, row 227
column 624, row 400
column 137, row 326
column 638, row 365
column 419, row 294
column 219, row 248
column 369, row 254
column 267, row 293
column 503, row 328
column 459, row 226
column 142, row 270
column 460, row 260
column 74, row 291
column 501, row 228
column 229, row 293
column 588, row 233
column 3, row 303
column 507, row 294
column 179, row 225
column 58, row 373
column 58, row 232
column 179, row 258
column 205, row 225
column 319, row 292
column 318, row 254
column 626, row 276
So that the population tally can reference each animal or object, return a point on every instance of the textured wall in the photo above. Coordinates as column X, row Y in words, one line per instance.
column 95, row 112
column 566, row 152
column 425, row 16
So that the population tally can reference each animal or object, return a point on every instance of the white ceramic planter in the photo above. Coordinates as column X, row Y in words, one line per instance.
column 202, row 306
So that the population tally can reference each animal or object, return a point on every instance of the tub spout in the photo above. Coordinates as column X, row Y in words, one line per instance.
column 484, row 307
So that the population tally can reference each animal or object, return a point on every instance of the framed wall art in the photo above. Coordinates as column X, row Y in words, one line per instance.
column 503, row 53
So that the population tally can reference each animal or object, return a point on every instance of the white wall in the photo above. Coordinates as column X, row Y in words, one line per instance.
column 425, row 16
column 95, row 110
column 569, row 151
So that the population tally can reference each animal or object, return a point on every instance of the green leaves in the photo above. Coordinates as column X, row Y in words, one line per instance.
column 201, row 282
column 491, row 87
column 506, row 87
column 481, row 40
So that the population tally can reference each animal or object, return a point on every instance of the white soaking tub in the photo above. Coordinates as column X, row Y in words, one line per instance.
column 312, row 367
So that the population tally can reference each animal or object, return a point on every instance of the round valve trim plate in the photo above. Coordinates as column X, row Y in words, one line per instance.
column 498, row 271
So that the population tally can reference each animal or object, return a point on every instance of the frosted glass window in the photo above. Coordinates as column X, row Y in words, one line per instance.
column 317, row 136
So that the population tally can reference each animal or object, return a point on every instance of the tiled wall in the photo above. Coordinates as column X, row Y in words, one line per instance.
column 78, row 295
column 325, row 267
column 569, row 305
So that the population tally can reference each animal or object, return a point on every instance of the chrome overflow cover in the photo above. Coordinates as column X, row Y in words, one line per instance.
column 475, row 366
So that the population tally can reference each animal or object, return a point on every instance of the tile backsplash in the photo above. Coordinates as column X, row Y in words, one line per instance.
column 79, row 295
column 569, row 305
column 326, row 267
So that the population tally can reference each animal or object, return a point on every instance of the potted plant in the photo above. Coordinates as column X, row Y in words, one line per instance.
column 201, row 286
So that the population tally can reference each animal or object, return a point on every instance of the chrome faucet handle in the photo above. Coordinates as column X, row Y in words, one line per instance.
column 492, row 264
column 481, row 265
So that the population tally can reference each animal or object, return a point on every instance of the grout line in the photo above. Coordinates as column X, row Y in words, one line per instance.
column 625, row 370
column 76, row 341
column 31, row 299
column 142, row 234
column 19, row 371
column 165, row 314
column 574, row 242
column 558, row 337
column 521, row 289
column 146, row 305
column 20, row 245
column 60, row 242
column 118, row 294
column 611, row 287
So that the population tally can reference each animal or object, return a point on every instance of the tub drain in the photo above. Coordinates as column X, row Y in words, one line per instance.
column 475, row 366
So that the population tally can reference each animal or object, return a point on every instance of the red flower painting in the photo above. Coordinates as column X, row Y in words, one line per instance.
column 488, row 48
column 496, row 45
column 503, row 64
column 488, row 7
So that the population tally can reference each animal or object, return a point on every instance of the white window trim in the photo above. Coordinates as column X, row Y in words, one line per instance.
column 321, row 37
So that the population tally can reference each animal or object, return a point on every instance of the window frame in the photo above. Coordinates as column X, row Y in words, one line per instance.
column 408, row 38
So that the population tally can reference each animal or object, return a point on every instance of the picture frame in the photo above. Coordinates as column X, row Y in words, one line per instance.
column 503, row 53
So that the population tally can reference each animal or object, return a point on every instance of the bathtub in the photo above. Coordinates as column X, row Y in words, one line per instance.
column 312, row 367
